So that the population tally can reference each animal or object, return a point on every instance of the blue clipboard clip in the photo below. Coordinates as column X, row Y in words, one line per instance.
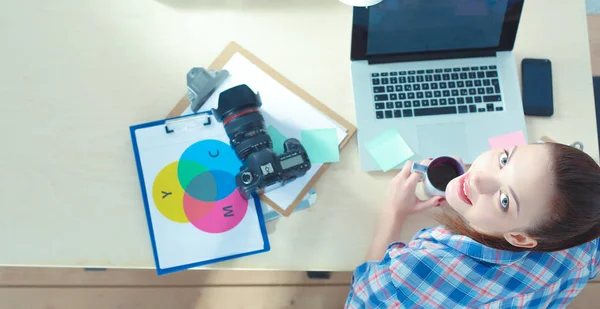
column 188, row 122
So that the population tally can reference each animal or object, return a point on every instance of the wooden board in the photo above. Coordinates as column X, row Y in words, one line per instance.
column 221, row 60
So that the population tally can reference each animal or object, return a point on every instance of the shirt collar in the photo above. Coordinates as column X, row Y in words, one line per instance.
column 475, row 250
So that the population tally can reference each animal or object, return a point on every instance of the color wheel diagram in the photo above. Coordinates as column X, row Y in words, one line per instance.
column 200, row 188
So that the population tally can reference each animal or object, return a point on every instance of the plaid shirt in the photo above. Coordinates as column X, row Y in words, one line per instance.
column 439, row 269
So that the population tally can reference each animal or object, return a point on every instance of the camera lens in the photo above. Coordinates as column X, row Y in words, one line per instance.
column 244, row 124
column 247, row 178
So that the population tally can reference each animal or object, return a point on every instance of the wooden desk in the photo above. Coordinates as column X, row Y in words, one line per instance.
column 75, row 75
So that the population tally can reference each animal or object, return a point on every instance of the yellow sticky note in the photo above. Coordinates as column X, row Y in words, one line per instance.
column 389, row 150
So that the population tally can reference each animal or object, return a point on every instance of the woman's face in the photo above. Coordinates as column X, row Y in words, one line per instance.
column 505, row 192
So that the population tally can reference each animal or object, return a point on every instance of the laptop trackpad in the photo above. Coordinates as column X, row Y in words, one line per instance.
column 444, row 139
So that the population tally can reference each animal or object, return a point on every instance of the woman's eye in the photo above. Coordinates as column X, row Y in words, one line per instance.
column 504, row 201
column 503, row 158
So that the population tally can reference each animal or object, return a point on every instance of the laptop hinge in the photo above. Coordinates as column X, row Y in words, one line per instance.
column 432, row 56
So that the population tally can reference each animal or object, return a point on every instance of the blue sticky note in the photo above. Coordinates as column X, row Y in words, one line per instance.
column 389, row 150
column 321, row 145
column 277, row 138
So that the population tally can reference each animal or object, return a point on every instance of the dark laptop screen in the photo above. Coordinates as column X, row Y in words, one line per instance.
column 417, row 26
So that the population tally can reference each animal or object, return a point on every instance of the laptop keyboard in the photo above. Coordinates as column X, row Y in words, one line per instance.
column 414, row 93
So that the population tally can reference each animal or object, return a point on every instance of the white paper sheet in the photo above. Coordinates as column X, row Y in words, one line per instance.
column 182, row 243
column 281, row 108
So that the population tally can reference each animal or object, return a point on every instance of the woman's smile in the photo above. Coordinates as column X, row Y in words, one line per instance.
column 463, row 189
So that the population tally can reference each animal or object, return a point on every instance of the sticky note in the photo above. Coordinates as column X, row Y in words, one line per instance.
column 321, row 145
column 508, row 140
column 277, row 138
column 389, row 150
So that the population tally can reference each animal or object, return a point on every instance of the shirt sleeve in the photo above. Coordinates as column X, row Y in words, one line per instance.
column 372, row 285
column 595, row 265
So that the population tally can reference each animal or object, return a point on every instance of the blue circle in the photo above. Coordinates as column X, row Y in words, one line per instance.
column 214, row 155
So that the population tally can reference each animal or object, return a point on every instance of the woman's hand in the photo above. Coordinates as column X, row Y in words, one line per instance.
column 401, row 200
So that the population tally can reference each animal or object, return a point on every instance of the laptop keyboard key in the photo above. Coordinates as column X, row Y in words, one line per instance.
column 483, row 67
column 446, row 76
column 477, row 99
column 407, row 88
column 411, row 95
column 472, row 75
column 419, row 95
column 428, row 78
column 499, row 108
column 460, row 84
column 435, row 111
column 397, row 113
column 378, row 89
column 452, row 101
column 390, row 88
column 496, row 84
column 379, row 106
column 384, row 74
column 433, row 86
column 451, row 85
column 402, row 96
column 399, row 88
column 492, row 98
column 486, row 82
column 407, row 104
column 381, row 97
column 482, row 110
column 437, row 77
column 398, row 104
column 425, row 86
column 417, row 87
column 469, row 83
column 416, row 103
column 402, row 72
column 472, row 108
column 402, row 80
column 443, row 85
column 428, row 94
column 420, row 78
column 456, row 70
column 464, row 92
column 490, row 107
column 472, row 91
column 462, row 109
column 388, row 114
column 482, row 91
column 492, row 67
column 385, row 81
column 454, row 76
column 443, row 102
column 407, row 113
column 424, row 102
column 434, row 102
column 393, row 80
column 460, row 100
column 477, row 83
column 474, row 68
column 439, row 70
column 411, row 79
column 393, row 96
column 375, row 81
column 379, row 115
column 455, row 92
column 480, row 75
column 393, row 73
column 411, row 72
column 490, row 74
column 490, row 90
column 447, row 70
column 437, row 93
column 469, row 100
column 446, row 93
column 389, row 105
column 375, row 74
column 463, row 75
column 429, row 71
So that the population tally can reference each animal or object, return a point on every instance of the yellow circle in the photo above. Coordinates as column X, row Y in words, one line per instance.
column 168, row 194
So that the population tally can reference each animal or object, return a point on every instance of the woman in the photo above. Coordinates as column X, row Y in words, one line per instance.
column 519, row 230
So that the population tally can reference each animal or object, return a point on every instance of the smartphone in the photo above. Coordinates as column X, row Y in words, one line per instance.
column 538, row 99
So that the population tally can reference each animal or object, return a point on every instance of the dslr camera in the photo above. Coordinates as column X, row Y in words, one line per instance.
column 238, row 110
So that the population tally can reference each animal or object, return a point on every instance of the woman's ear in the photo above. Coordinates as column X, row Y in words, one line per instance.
column 521, row 240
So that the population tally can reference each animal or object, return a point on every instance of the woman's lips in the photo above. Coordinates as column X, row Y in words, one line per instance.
column 463, row 189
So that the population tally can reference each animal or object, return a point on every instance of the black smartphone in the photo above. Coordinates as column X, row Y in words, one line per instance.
column 538, row 99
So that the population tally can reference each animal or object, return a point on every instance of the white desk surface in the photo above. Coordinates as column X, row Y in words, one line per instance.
column 74, row 75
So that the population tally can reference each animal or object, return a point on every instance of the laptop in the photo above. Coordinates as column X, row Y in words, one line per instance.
column 441, row 72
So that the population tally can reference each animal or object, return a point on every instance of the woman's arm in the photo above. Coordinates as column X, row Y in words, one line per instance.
column 400, row 202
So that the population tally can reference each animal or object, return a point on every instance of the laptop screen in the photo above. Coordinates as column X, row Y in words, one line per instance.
column 421, row 26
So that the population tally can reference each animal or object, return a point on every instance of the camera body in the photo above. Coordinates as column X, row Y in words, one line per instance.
column 238, row 110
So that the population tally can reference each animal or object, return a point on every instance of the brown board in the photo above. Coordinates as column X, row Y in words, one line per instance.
column 230, row 50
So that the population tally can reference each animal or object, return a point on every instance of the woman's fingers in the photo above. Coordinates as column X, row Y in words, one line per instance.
column 405, row 172
column 430, row 203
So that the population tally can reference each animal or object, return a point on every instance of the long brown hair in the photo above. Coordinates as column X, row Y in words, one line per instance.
column 574, row 215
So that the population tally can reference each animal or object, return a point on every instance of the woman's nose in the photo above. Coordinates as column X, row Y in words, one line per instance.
column 484, row 183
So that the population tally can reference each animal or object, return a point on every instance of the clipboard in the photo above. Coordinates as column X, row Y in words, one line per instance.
column 188, row 226
column 230, row 50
